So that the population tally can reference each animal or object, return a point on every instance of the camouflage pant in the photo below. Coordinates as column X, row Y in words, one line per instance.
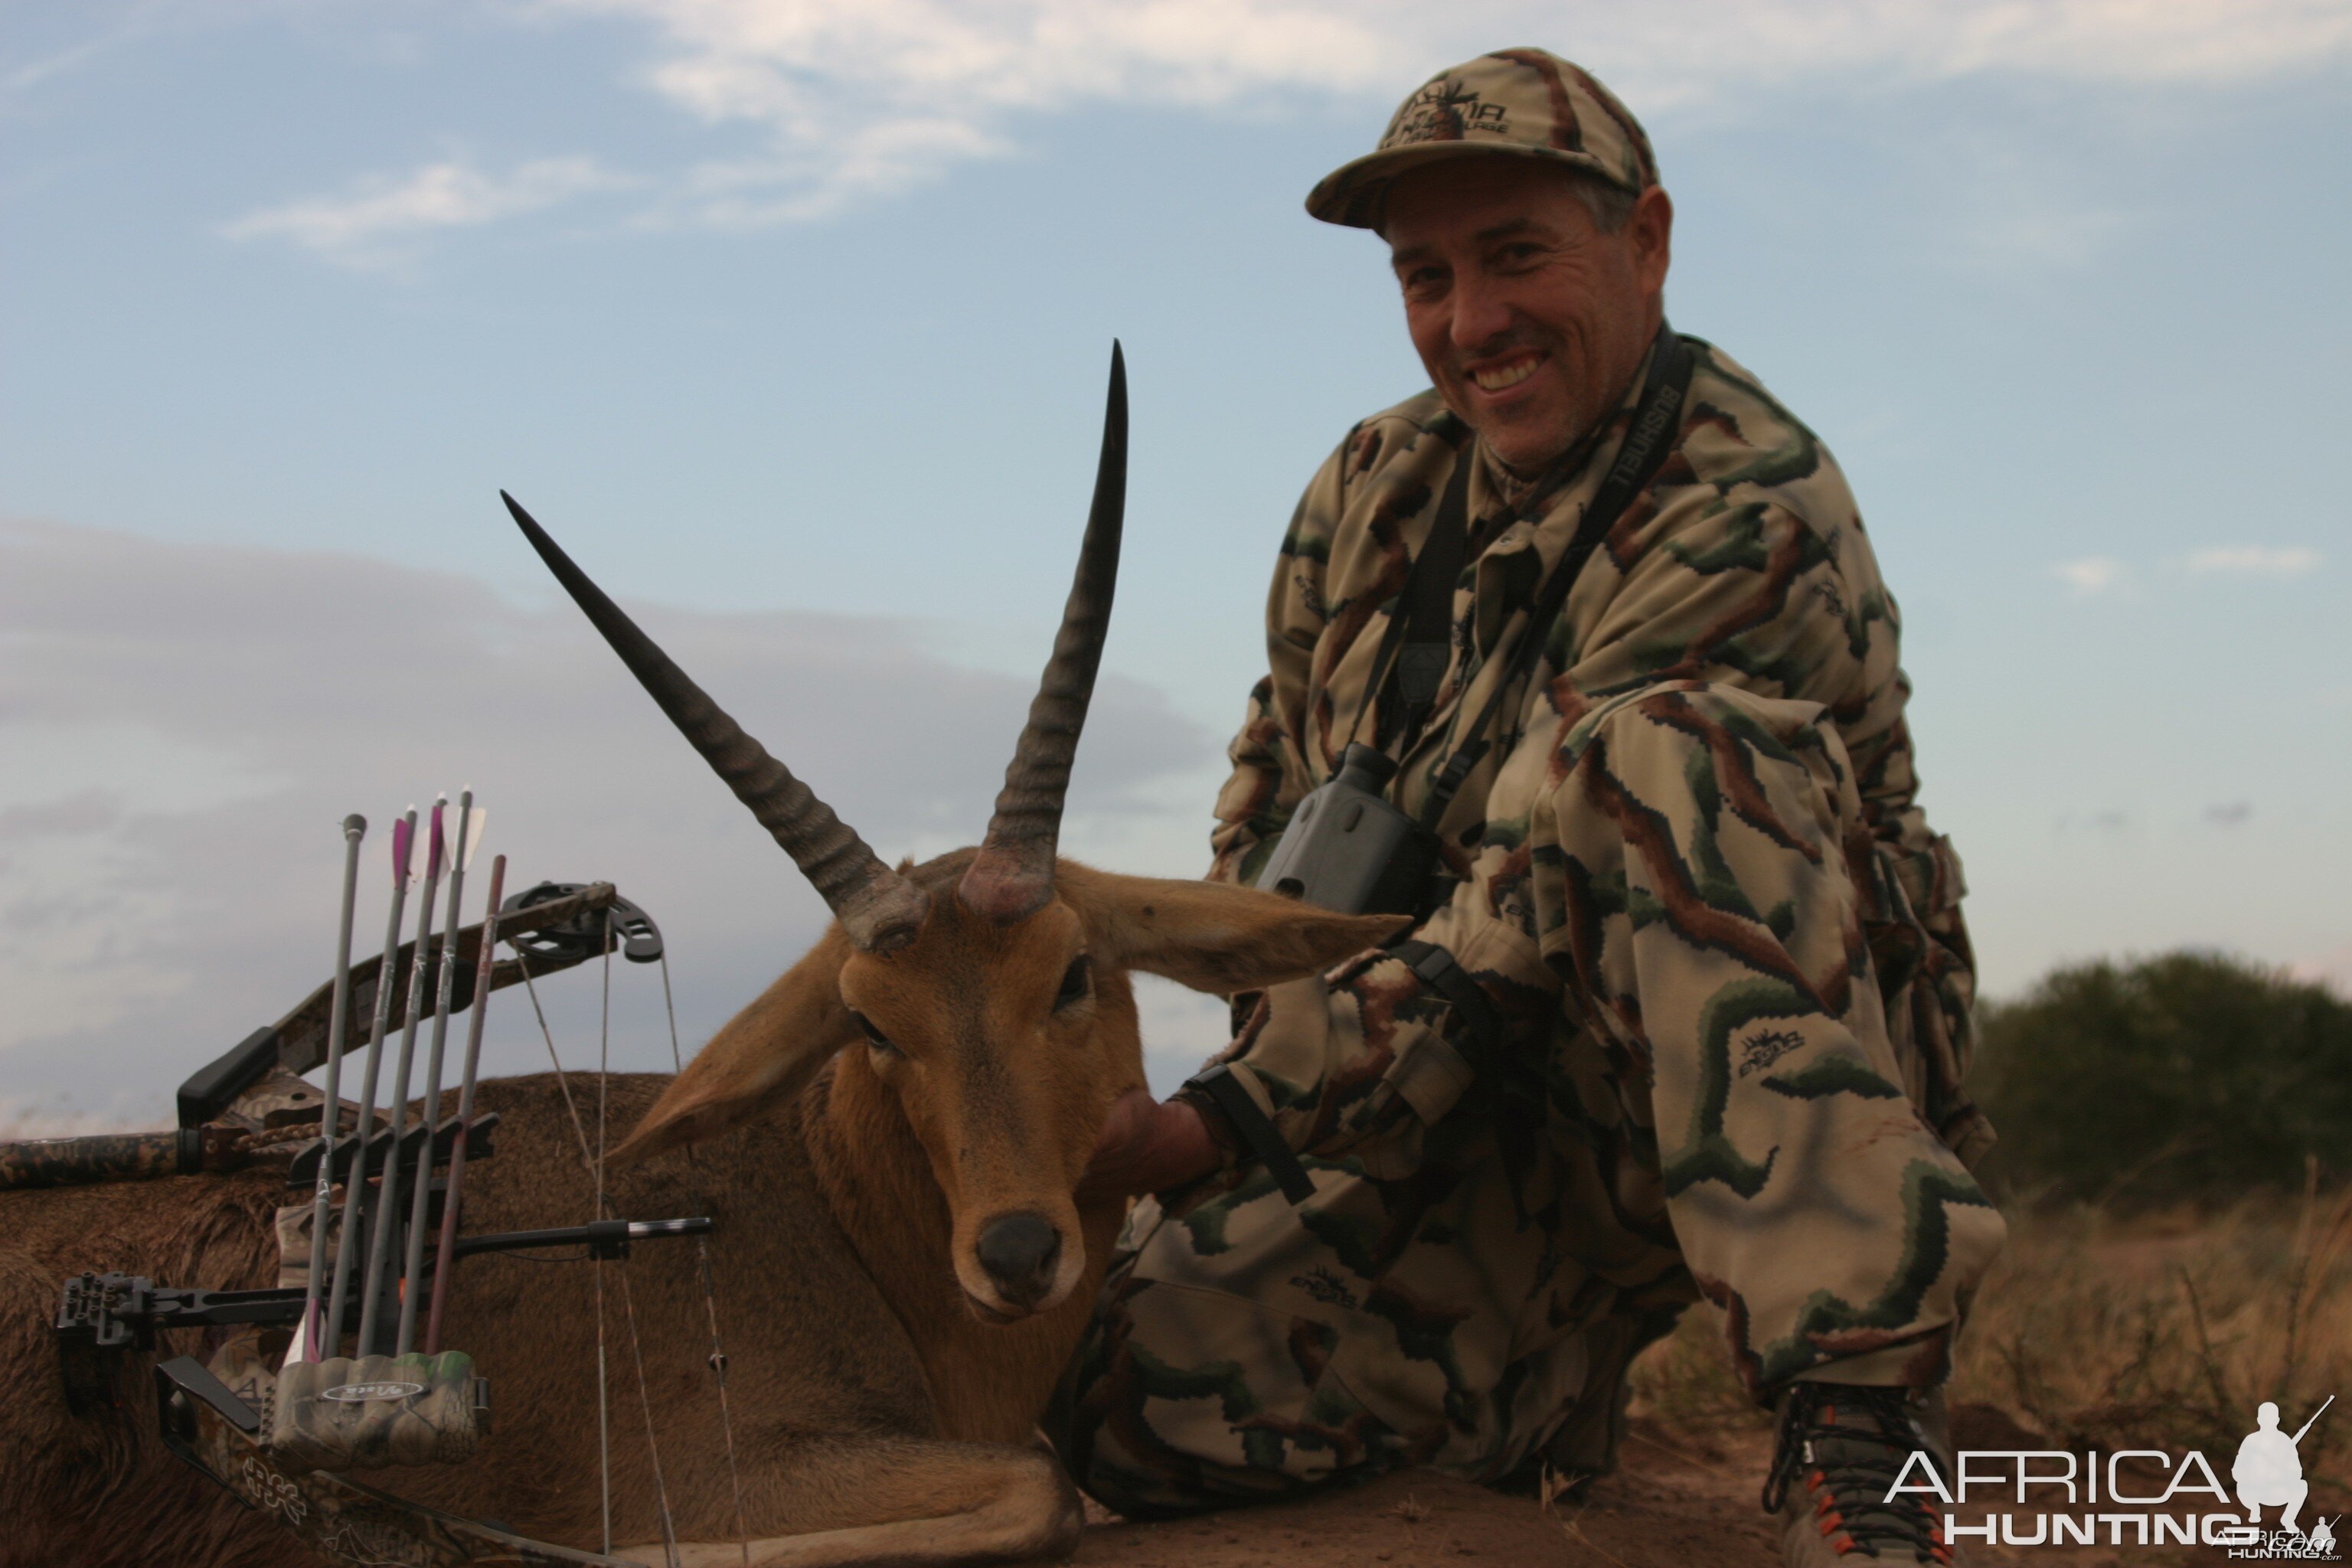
column 1215, row 1375
column 1760, row 1022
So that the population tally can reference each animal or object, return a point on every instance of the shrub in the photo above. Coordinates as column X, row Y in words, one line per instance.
column 2191, row 1076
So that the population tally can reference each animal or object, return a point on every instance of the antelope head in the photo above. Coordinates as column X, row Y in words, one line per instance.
column 987, row 991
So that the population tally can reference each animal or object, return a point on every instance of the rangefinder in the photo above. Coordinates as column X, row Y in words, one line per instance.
column 1347, row 850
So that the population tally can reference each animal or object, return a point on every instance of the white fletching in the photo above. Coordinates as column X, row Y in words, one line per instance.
column 471, row 833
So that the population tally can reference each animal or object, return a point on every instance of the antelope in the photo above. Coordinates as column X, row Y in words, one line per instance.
column 892, row 1138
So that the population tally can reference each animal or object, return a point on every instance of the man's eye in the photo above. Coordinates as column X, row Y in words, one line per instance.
column 874, row 1036
column 1077, row 981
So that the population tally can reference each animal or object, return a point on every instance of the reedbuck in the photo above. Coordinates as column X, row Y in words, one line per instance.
column 891, row 1137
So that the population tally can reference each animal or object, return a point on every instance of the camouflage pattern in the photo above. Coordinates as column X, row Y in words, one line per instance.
column 347, row 1413
column 102, row 1157
column 346, row 1521
column 339, row 1520
column 1521, row 103
column 1727, row 946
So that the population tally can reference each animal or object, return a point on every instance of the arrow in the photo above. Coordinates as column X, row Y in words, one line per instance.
column 444, row 1255
column 388, row 1194
column 429, row 1110
column 403, row 834
column 305, row 1347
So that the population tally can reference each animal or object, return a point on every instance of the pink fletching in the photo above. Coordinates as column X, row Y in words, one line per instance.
column 434, row 860
column 401, row 832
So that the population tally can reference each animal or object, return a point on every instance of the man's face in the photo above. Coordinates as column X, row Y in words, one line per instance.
column 1529, row 319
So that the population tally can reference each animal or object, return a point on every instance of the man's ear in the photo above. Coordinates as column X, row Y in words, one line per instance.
column 1210, row 936
column 763, row 1057
column 1652, row 222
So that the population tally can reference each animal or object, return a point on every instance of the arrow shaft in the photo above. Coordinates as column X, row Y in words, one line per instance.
column 429, row 1110
column 444, row 1257
column 331, row 1115
column 355, row 1180
column 388, row 1201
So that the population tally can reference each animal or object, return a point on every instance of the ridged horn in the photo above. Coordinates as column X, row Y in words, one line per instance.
column 1013, row 875
column 878, row 908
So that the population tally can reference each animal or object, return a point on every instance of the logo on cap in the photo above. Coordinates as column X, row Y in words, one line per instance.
column 1446, row 111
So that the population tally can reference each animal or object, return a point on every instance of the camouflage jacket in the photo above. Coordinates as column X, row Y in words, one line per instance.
column 1744, row 564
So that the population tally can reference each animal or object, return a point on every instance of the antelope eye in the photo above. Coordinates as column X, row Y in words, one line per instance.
column 1076, row 981
column 874, row 1036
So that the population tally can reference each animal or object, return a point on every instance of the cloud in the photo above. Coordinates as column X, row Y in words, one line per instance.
column 2091, row 574
column 860, row 97
column 854, row 100
column 2109, row 820
column 185, row 726
column 2230, row 813
column 2256, row 560
column 377, row 224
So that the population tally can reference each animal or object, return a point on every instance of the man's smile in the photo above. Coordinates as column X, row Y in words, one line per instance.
column 1500, row 376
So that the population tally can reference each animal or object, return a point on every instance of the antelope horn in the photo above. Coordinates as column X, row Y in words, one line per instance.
column 878, row 908
column 1013, row 875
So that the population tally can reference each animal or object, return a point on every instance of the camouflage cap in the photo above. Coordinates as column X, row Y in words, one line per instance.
column 1528, row 103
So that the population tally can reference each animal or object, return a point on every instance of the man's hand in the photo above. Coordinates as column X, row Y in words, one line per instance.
column 1149, row 1146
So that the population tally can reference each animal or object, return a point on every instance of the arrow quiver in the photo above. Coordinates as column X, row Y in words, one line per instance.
column 209, row 1427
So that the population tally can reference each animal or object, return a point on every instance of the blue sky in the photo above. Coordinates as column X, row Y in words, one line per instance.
column 790, row 318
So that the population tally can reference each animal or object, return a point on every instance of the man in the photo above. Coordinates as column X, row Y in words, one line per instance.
column 1689, row 1009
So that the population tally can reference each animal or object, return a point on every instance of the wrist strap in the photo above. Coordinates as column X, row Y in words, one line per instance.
column 1438, row 969
column 1224, row 1092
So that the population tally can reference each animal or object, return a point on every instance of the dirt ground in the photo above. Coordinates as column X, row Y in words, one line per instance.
column 1680, row 1500
column 1674, row 1505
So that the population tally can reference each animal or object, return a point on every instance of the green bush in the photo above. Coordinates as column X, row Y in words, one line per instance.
column 2191, row 1076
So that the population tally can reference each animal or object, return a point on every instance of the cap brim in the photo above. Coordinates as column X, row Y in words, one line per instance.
column 1352, row 194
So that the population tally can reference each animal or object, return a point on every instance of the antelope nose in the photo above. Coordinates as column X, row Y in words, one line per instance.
column 1021, row 1251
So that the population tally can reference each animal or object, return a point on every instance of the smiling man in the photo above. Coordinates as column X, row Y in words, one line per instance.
column 1684, row 1007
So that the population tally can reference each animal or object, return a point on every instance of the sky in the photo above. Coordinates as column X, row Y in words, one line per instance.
column 790, row 319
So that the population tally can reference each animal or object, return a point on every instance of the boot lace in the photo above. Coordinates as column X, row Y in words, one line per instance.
column 1849, row 1464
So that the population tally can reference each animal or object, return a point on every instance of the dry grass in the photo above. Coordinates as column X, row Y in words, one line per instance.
column 1684, row 1382
column 2161, row 1331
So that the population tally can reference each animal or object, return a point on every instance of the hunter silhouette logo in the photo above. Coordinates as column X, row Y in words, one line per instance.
column 2269, row 1472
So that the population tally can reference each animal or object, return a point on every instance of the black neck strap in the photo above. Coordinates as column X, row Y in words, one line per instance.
column 1420, row 640
column 1657, row 418
column 1430, row 582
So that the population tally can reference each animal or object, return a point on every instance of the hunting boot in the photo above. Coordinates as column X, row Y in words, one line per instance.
column 1842, row 1447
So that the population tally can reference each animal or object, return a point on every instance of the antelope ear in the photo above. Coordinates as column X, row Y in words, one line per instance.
column 761, row 1056
column 1212, row 937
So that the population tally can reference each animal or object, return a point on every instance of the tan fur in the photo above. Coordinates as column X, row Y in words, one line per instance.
column 883, row 1412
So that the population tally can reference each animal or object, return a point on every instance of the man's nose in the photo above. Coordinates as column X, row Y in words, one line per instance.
column 1481, row 313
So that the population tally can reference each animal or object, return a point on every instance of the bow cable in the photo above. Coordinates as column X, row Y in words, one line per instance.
column 603, row 1417
column 709, row 1294
column 591, row 1161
